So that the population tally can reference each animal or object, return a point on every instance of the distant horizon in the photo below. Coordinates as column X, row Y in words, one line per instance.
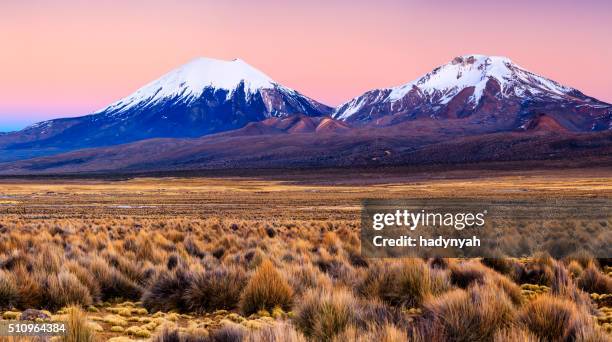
column 70, row 58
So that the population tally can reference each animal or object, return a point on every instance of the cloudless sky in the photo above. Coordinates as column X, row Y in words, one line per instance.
column 66, row 58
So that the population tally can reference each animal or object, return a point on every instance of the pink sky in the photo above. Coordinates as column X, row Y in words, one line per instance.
column 66, row 58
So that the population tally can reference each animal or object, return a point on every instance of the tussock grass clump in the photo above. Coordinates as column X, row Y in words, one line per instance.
column 593, row 281
column 575, row 269
column 384, row 333
column 375, row 312
column 279, row 332
column 265, row 290
column 174, row 335
column 307, row 277
column 439, row 263
column 128, row 267
column 166, row 291
column 583, row 258
column 9, row 294
column 563, row 287
column 49, row 258
column 65, row 289
column 321, row 315
column 219, row 288
column 78, row 329
column 510, row 288
column 113, row 284
column 515, row 334
column 86, row 278
column 193, row 247
column 539, row 270
column 464, row 274
column 14, row 260
column 475, row 314
column 552, row 318
column 229, row 333
column 404, row 284
column 502, row 265
column 31, row 287
column 582, row 328
column 172, row 261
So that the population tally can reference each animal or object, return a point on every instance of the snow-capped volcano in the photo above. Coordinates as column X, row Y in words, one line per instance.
column 202, row 97
column 472, row 85
column 445, row 82
column 189, row 82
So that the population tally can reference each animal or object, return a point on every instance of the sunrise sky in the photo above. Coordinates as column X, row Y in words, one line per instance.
column 67, row 58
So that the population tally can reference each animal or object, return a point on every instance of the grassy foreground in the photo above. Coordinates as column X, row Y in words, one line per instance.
column 257, row 260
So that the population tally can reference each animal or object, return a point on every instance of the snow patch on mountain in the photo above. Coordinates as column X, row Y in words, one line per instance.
column 475, row 71
column 189, row 81
column 441, row 85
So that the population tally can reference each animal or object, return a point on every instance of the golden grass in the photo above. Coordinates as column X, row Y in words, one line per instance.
column 198, row 259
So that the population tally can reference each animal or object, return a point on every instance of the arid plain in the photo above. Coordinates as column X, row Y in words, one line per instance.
column 278, row 259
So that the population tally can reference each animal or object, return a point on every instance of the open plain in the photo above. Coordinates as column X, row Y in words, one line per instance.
column 278, row 259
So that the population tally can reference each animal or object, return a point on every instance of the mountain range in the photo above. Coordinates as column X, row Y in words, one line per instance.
column 213, row 114
column 487, row 90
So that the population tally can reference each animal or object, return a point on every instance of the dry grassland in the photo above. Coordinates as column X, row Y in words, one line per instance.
column 236, row 259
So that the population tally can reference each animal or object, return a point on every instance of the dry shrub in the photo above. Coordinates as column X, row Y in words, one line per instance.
column 575, row 269
column 321, row 315
column 539, row 270
column 113, row 284
column 215, row 289
column 16, row 259
column 464, row 274
column 9, row 294
column 438, row 263
column 146, row 250
column 505, row 266
column 279, row 332
column 265, row 290
column 134, row 271
column 553, row 318
column 193, row 247
column 593, row 281
column 175, row 335
column 254, row 258
column 172, row 262
column 378, row 313
column 515, row 334
column 307, row 277
column 475, row 314
column 166, row 291
column 49, row 259
column 583, row 329
column 384, row 333
column 78, row 329
column 337, row 269
column 405, row 284
column 31, row 287
column 583, row 258
column 86, row 278
column 169, row 335
column 510, row 288
column 65, row 289
column 439, row 281
column 228, row 333
column 563, row 287
column 357, row 260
